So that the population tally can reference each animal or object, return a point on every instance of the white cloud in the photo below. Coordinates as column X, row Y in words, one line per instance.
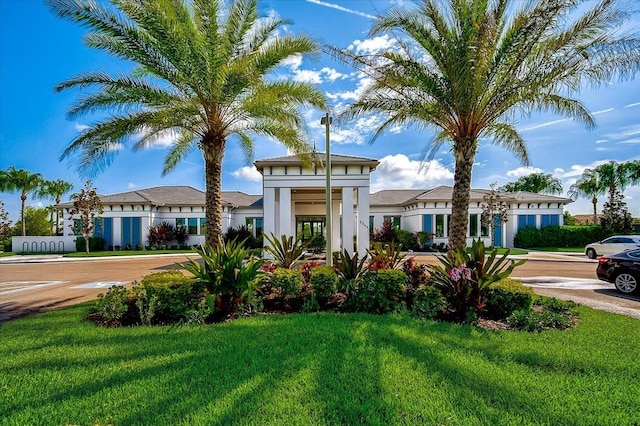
column 340, row 8
column 602, row 111
column 80, row 127
column 548, row 123
column 634, row 141
column 131, row 185
column 249, row 173
column 307, row 76
column 294, row 63
column 372, row 46
column 523, row 171
column 399, row 172
column 160, row 140
column 632, row 105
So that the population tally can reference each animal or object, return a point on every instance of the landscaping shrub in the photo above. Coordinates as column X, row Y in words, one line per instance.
column 507, row 296
column 378, row 292
column 168, row 297
column 559, row 236
column 307, row 268
column 95, row 244
column 464, row 278
column 288, row 280
column 348, row 267
column 385, row 234
column 242, row 233
column 114, row 304
column 161, row 233
column 226, row 275
column 286, row 251
column 324, row 281
column 407, row 239
column 385, row 256
column 427, row 302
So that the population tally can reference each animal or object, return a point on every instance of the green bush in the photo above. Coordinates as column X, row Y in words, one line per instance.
column 427, row 302
column 407, row 239
column 348, row 267
column 559, row 236
column 229, row 278
column 324, row 281
column 533, row 321
column 95, row 244
column 168, row 297
column 507, row 296
column 378, row 292
column 113, row 304
column 289, row 280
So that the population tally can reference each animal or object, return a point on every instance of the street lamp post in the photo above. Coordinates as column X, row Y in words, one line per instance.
column 326, row 120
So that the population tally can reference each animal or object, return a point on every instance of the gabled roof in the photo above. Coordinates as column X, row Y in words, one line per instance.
column 240, row 199
column 294, row 160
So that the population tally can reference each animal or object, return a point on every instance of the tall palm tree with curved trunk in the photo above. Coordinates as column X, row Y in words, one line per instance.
column 539, row 183
column 202, row 74
column 56, row 189
column 587, row 186
column 24, row 182
column 467, row 68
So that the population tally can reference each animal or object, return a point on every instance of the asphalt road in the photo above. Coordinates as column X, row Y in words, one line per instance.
column 44, row 283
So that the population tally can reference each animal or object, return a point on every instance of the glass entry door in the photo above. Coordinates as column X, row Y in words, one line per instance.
column 307, row 227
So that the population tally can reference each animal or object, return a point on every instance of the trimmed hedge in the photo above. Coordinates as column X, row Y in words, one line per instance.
column 507, row 296
column 324, row 280
column 559, row 236
column 95, row 244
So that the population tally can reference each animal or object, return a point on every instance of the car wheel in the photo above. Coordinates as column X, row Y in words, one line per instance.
column 626, row 282
column 591, row 253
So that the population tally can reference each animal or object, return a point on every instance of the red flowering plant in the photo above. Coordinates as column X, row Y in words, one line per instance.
column 464, row 277
column 306, row 270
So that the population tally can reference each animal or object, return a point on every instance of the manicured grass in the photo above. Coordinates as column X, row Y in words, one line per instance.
column 126, row 253
column 323, row 369
column 7, row 253
column 560, row 249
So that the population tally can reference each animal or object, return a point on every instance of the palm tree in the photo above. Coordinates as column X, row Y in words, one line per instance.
column 56, row 189
column 587, row 186
column 202, row 74
column 614, row 176
column 467, row 67
column 22, row 181
column 539, row 183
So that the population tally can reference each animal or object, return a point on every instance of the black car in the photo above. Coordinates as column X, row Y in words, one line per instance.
column 621, row 269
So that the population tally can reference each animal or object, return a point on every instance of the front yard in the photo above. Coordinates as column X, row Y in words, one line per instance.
column 320, row 368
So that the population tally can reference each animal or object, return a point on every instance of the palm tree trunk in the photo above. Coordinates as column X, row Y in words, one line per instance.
column 213, row 193
column 23, row 197
column 594, row 201
column 464, row 154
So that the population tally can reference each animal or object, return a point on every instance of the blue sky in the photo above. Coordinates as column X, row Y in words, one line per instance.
column 39, row 50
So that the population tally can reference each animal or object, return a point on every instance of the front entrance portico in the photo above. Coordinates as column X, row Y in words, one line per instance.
column 292, row 191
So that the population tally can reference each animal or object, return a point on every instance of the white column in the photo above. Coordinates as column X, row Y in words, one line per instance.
column 363, row 220
column 335, row 229
column 347, row 219
column 269, row 211
column 117, row 231
column 285, row 211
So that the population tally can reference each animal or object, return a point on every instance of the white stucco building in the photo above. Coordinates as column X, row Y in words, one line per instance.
column 293, row 202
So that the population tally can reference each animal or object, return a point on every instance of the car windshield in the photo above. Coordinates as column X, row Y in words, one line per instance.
column 634, row 253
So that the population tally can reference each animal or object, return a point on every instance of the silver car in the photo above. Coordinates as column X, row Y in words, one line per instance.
column 612, row 245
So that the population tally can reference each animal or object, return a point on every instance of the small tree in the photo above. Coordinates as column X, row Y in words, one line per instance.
column 5, row 225
column 616, row 218
column 494, row 210
column 37, row 221
column 87, row 205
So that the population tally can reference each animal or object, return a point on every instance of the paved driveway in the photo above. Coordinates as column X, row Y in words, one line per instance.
column 35, row 284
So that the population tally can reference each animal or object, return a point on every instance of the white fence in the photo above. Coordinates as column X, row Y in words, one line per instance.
column 43, row 244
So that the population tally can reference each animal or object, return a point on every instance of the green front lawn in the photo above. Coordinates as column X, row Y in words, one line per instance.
column 559, row 249
column 317, row 369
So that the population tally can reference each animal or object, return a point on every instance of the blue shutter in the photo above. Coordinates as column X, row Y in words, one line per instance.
column 522, row 221
column 545, row 220
column 555, row 220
